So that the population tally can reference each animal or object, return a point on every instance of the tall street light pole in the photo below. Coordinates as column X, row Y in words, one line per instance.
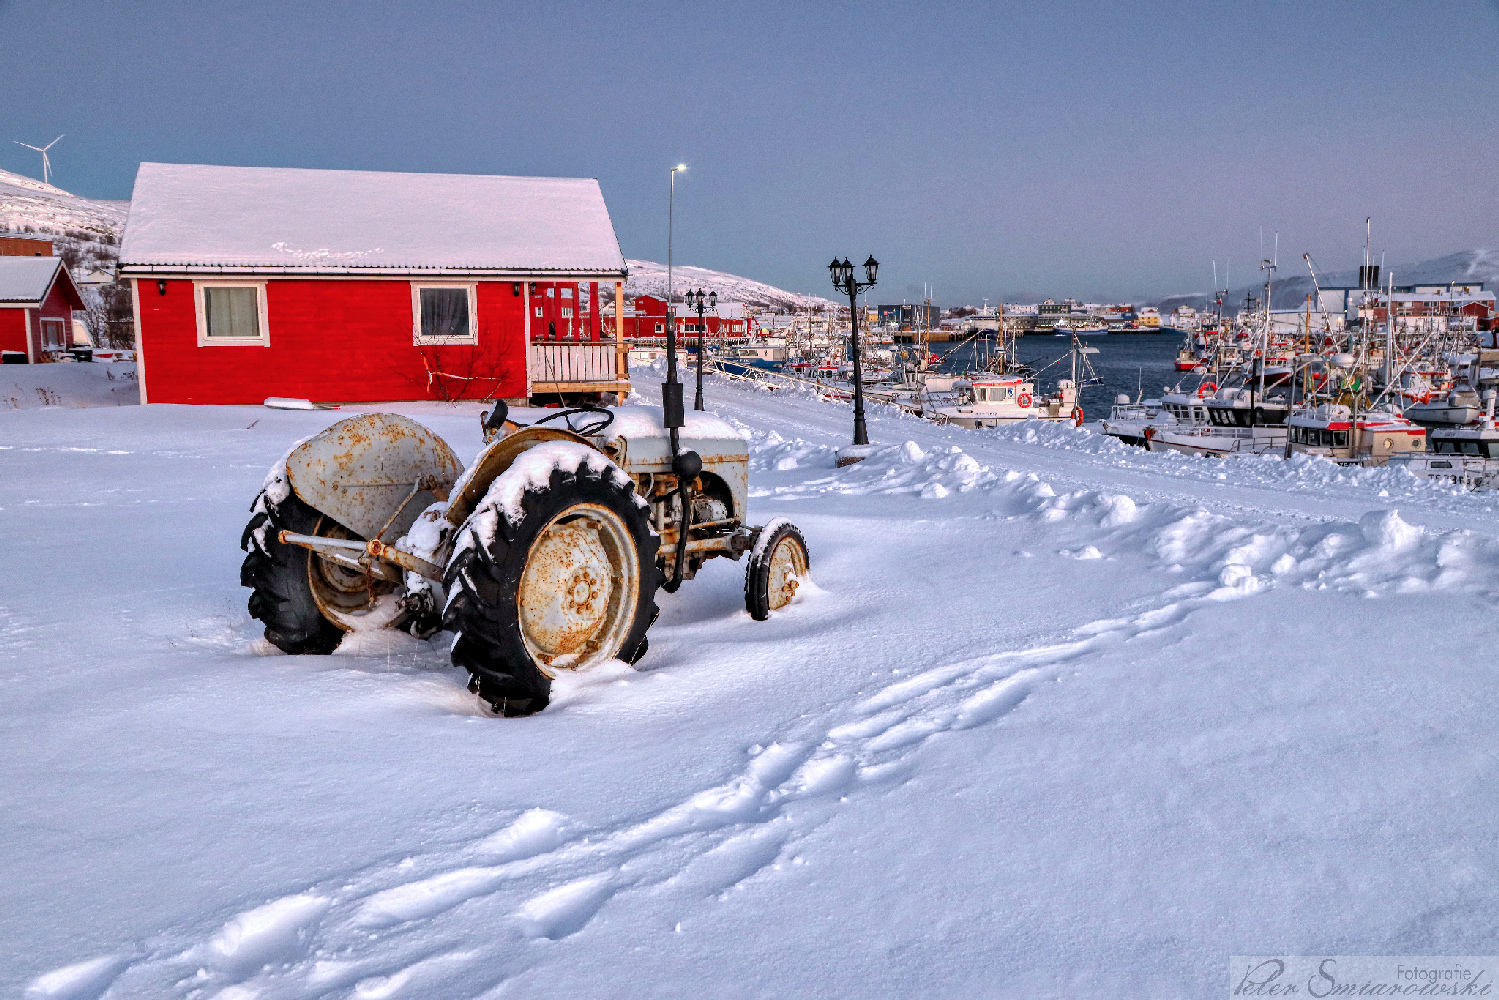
column 671, row 313
column 685, row 465
column 695, row 301
column 844, row 280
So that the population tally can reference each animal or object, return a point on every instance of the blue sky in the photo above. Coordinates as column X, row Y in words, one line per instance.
column 1096, row 150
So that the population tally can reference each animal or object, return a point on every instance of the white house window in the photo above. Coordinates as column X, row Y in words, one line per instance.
column 538, row 312
column 231, row 313
column 659, row 327
column 443, row 314
column 551, row 293
column 567, row 293
column 567, row 312
column 52, row 334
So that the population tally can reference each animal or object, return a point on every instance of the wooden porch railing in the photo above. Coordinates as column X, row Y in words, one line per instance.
column 577, row 367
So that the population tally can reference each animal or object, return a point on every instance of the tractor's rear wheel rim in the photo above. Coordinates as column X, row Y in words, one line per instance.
column 579, row 590
column 788, row 568
column 341, row 592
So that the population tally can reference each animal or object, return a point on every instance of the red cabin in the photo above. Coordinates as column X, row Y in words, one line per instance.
column 37, row 299
column 647, row 321
column 358, row 286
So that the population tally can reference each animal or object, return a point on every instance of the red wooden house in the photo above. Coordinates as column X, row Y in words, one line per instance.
column 37, row 299
column 357, row 286
column 647, row 320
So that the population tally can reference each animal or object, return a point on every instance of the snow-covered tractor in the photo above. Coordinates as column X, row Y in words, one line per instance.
column 546, row 553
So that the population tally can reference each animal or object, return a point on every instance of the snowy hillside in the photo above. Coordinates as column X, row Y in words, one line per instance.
column 85, row 233
column 1055, row 718
column 29, row 207
column 1294, row 283
column 649, row 278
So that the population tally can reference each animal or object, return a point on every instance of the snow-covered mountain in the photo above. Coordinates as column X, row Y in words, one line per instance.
column 649, row 278
column 1291, row 289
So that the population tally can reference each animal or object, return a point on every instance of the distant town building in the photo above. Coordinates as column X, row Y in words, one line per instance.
column 910, row 316
column 1416, row 306
column 645, row 318
column 24, row 246
column 37, row 300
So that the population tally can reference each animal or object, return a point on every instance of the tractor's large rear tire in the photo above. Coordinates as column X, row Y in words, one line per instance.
column 568, row 581
column 278, row 575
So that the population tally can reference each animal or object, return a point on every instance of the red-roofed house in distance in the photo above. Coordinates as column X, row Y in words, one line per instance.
column 645, row 320
column 37, row 299
column 361, row 286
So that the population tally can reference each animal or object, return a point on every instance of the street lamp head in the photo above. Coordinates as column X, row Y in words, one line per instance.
column 871, row 267
column 679, row 167
column 712, row 299
column 833, row 270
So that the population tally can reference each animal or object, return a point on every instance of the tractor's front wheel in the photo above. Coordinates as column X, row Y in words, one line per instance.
column 554, row 569
column 777, row 567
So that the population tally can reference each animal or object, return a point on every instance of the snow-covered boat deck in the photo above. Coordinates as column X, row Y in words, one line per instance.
column 1056, row 711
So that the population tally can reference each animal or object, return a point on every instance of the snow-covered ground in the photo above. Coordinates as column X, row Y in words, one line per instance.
column 1057, row 719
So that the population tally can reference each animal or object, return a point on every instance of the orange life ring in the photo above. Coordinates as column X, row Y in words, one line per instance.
column 1077, row 421
column 1205, row 388
column 1024, row 401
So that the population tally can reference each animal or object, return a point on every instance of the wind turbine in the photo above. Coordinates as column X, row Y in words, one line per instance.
column 46, row 163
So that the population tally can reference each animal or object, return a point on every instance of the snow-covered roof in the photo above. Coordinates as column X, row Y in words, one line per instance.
column 27, row 279
column 279, row 219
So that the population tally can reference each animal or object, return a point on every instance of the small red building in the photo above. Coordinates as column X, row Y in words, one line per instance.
column 357, row 286
column 648, row 320
column 37, row 299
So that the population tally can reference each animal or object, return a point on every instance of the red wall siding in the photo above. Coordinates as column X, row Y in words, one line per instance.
column 13, row 330
column 330, row 341
column 56, row 306
column 546, row 312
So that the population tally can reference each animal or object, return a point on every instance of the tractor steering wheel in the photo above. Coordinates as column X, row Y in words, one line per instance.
column 602, row 419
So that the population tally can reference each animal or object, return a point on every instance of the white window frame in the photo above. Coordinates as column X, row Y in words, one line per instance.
column 62, row 339
column 416, row 312
column 201, row 308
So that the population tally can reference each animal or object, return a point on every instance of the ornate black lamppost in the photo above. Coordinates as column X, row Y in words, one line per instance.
column 844, row 281
column 695, row 302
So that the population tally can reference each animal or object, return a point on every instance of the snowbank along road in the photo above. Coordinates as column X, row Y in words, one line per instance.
column 1057, row 718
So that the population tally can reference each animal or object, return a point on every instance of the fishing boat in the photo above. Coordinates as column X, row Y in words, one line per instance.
column 1459, row 406
column 1373, row 437
column 998, row 401
column 1247, row 419
column 1128, row 420
column 1466, row 456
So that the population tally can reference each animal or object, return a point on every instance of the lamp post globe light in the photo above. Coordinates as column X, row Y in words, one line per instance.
column 842, row 273
column 695, row 301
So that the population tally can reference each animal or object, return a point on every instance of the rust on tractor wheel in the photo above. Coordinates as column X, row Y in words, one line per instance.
column 788, row 567
column 340, row 590
column 579, row 590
